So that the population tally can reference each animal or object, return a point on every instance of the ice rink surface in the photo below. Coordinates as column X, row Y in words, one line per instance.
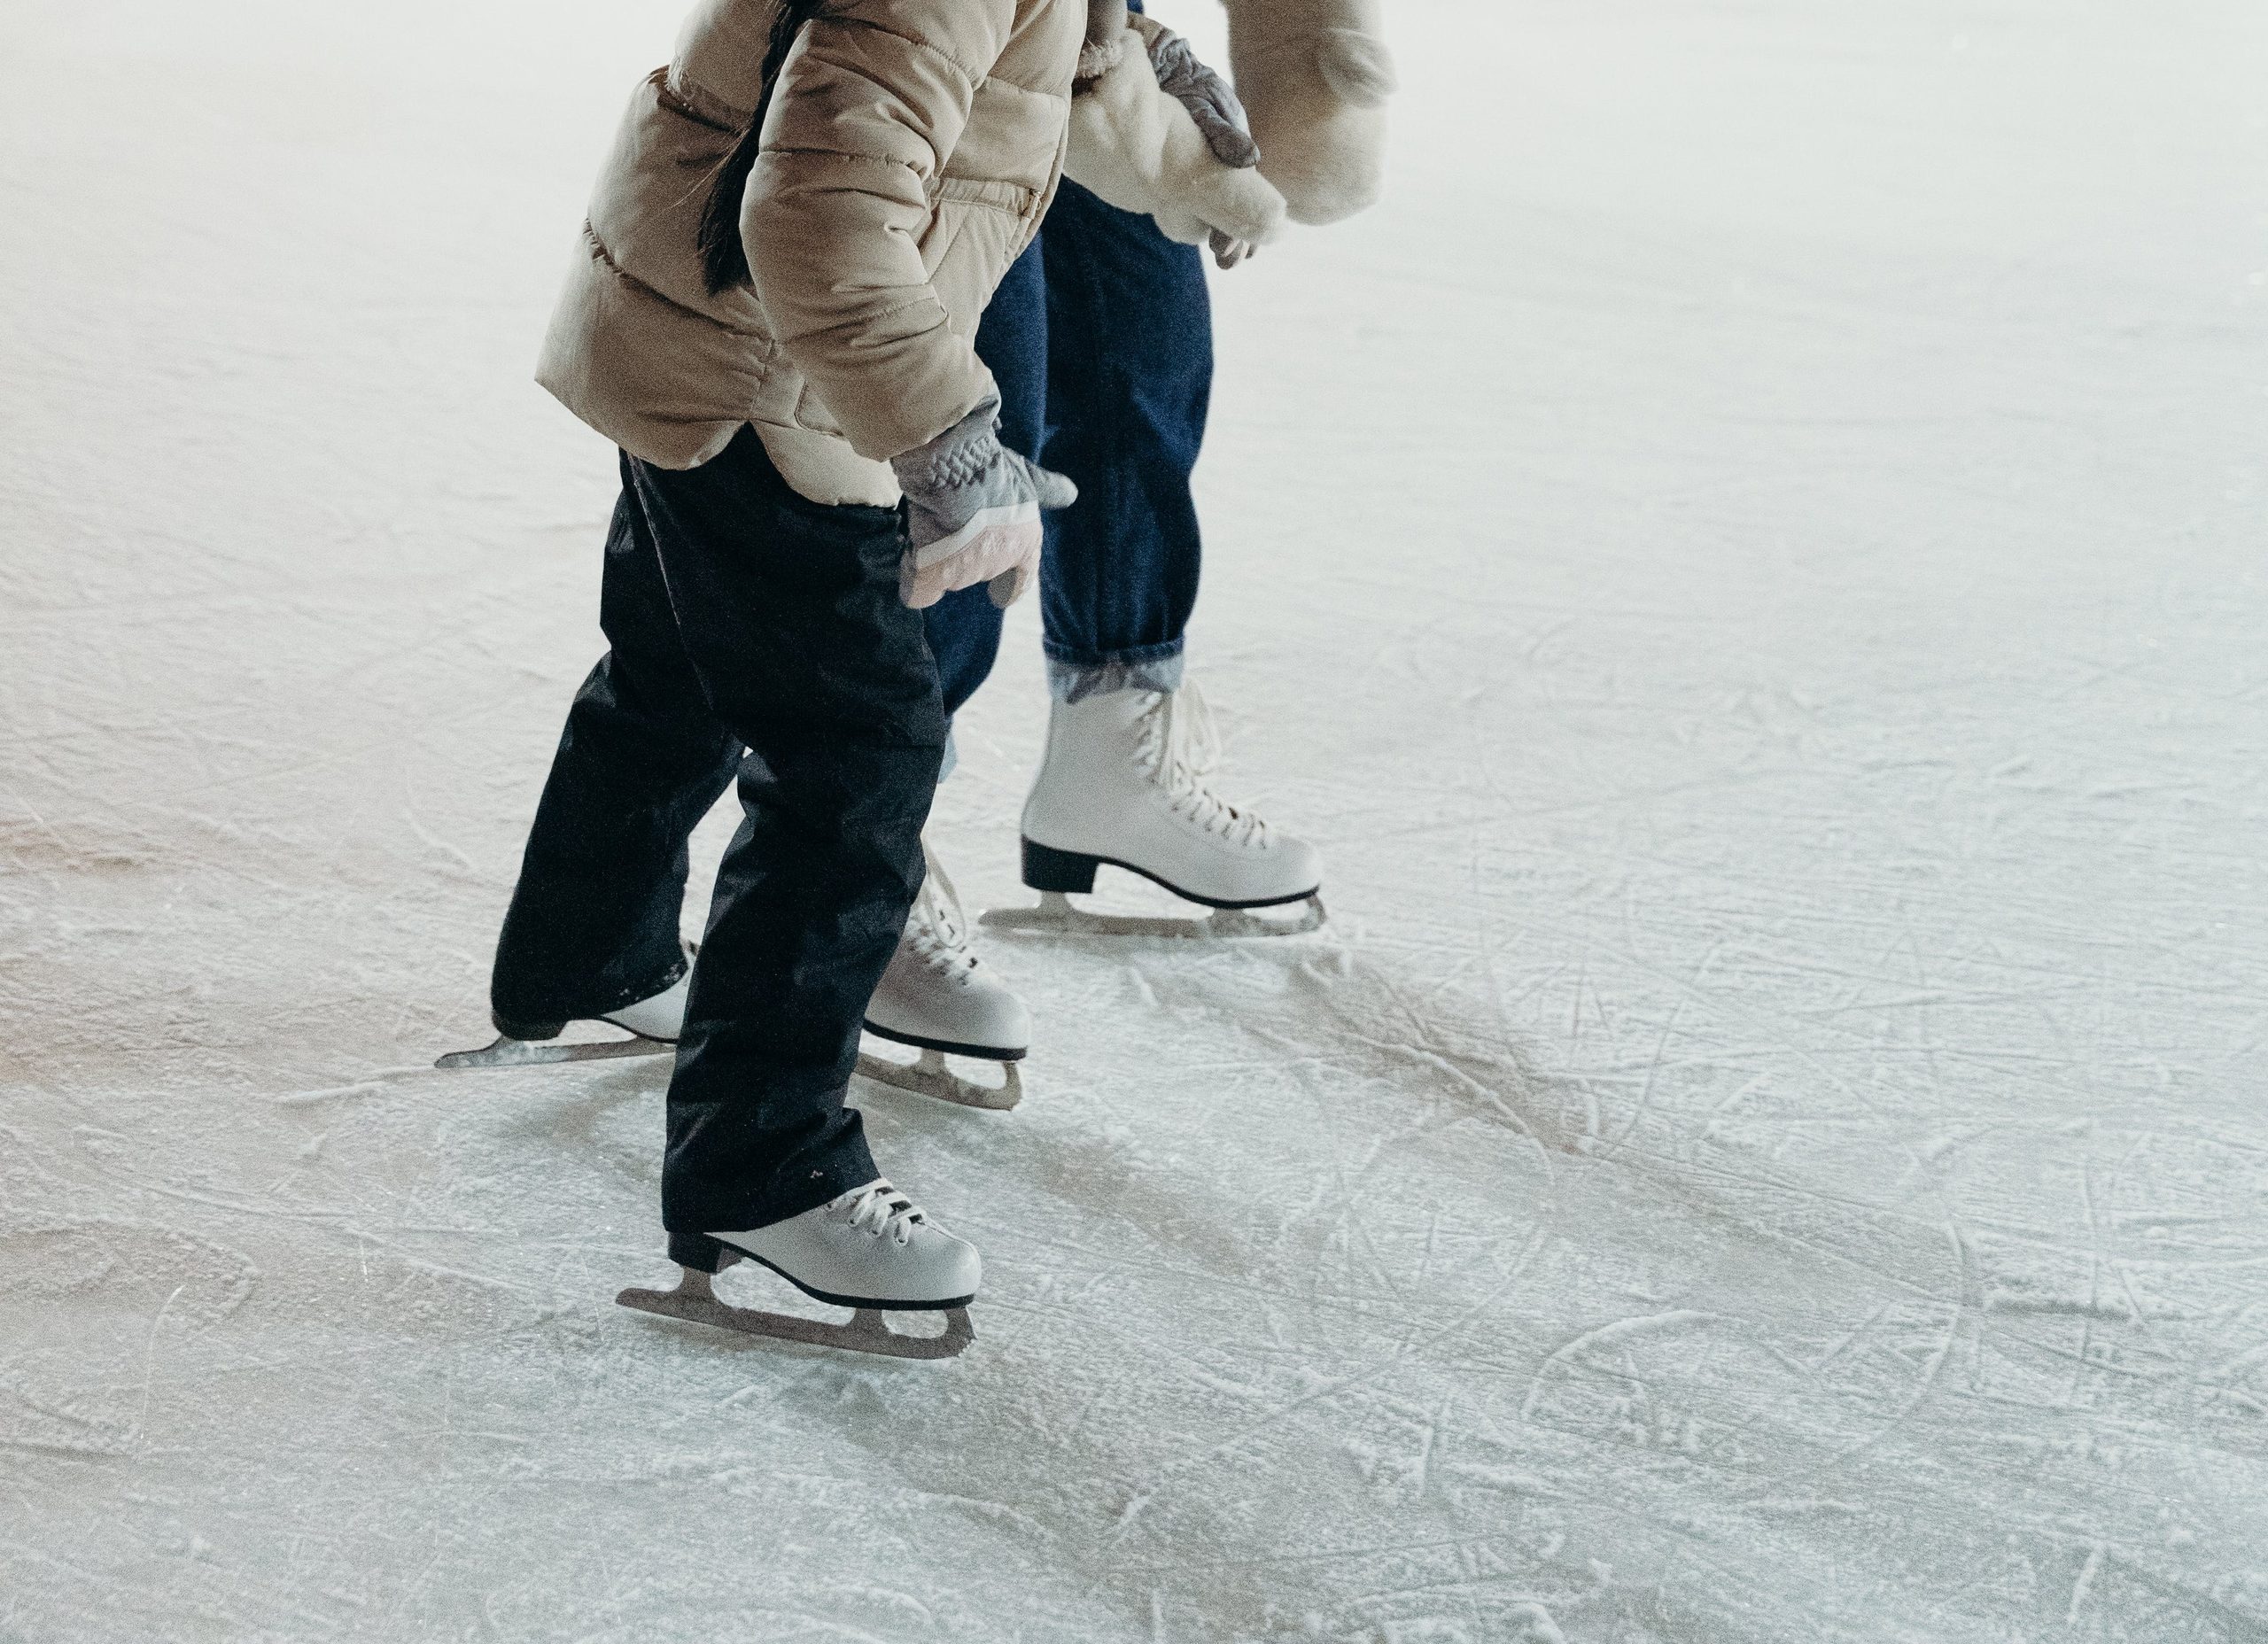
column 1752, row 564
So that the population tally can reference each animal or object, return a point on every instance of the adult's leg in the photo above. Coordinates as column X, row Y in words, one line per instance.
column 593, row 924
column 790, row 615
column 964, row 627
column 1129, row 375
column 1130, row 341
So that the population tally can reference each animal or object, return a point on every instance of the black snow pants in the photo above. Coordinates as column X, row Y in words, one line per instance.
column 758, row 634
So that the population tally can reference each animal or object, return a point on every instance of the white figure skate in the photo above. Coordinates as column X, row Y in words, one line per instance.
column 939, row 998
column 1122, row 783
column 654, row 1024
column 936, row 997
column 872, row 1250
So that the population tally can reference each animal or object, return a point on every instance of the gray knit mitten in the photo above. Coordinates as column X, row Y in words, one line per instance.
column 1211, row 100
column 972, row 512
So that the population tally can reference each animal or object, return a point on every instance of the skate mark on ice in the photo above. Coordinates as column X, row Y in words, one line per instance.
column 1156, row 1474
column 106, row 1261
column 1401, row 1034
column 338, row 1092
column 1416, row 1038
column 1612, row 1334
column 36, row 1426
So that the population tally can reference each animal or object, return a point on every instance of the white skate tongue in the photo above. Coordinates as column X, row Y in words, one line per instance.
column 939, row 924
column 1187, row 747
column 1194, row 737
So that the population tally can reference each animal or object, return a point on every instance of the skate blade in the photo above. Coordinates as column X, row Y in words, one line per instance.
column 931, row 1077
column 1057, row 916
column 697, row 1303
column 509, row 1052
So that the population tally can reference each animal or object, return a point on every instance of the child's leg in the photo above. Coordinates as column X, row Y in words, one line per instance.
column 790, row 613
column 594, row 921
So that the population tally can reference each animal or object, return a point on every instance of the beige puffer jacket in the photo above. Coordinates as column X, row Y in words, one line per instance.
column 910, row 150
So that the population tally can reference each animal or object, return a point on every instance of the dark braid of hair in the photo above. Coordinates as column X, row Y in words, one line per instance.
column 724, row 259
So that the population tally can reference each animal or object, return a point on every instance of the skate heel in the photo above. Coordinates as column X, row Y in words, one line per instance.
column 1045, row 868
column 700, row 1253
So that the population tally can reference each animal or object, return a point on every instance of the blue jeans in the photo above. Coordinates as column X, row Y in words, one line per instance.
column 1101, row 339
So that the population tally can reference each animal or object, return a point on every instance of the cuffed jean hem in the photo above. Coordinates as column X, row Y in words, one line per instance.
column 1154, row 668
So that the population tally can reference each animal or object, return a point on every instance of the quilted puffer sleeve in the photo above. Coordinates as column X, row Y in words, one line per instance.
column 868, row 107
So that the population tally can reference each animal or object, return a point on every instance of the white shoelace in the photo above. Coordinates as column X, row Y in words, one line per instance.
column 939, row 929
column 1181, row 745
column 880, row 1209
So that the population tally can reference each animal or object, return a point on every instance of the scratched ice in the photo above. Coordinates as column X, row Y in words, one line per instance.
column 1752, row 565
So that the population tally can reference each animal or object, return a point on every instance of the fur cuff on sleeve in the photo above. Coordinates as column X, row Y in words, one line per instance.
column 1096, row 59
column 1138, row 149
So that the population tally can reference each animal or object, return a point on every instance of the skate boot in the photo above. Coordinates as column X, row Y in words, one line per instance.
column 872, row 1250
column 1122, row 782
column 941, row 999
column 654, row 1023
